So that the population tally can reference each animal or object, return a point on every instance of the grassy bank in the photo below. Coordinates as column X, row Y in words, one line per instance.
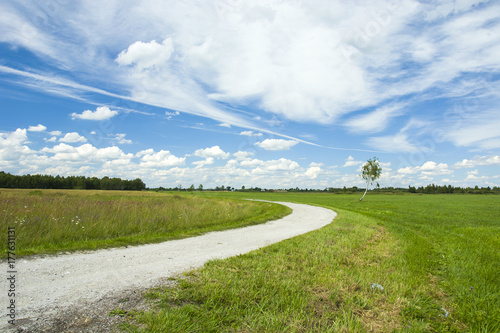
column 48, row 221
column 392, row 263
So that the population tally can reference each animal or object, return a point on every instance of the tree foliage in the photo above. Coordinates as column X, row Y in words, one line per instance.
column 71, row 182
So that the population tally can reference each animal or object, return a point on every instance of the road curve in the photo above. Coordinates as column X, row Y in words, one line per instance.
column 71, row 279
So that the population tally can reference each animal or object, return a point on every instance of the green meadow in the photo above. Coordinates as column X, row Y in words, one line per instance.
column 51, row 221
column 391, row 263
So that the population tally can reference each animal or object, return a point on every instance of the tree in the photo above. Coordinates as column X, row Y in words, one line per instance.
column 370, row 171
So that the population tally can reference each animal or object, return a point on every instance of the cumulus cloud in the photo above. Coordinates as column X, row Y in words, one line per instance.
column 214, row 152
column 73, row 137
column 37, row 128
column 478, row 160
column 429, row 168
column 146, row 55
column 85, row 153
column 101, row 113
column 242, row 155
column 12, row 146
column 276, row 144
column 15, row 138
column 313, row 172
column 350, row 161
column 270, row 166
column 163, row 158
column 251, row 163
column 207, row 161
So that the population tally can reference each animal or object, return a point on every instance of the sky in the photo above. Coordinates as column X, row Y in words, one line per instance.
column 271, row 94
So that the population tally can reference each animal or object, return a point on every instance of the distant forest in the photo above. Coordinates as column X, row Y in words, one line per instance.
column 71, row 182
column 429, row 189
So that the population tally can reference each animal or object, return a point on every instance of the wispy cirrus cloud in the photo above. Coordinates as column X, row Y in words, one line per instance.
column 311, row 61
column 375, row 121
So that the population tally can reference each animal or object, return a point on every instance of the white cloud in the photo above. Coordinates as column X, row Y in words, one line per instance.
column 360, row 56
column 375, row 121
column 37, row 128
column 214, row 152
column 481, row 130
column 429, row 168
column 250, row 133
column 225, row 125
column 242, row 155
column 73, row 137
column 271, row 166
column 393, row 143
column 12, row 146
column 55, row 133
column 146, row 55
column 207, row 161
column 313, row 172
column 251, row 163
column 101, row 113
column 163, row 158
column 15, row 138
column 351, row 162
column 276, row 144
column 85, row 153
column 170, row 115
column 120, row 138
column 478, row 160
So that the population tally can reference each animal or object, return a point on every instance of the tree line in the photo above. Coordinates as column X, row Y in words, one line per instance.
column 446, row 189
column 429, row 189
column 71, row 182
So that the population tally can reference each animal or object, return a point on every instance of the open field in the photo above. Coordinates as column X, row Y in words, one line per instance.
column 48, row 221
column 392, row 263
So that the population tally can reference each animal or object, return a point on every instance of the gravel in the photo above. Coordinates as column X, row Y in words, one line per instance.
column 75, row 292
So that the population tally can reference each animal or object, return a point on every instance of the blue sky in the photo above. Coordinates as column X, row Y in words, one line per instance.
column 272, row 94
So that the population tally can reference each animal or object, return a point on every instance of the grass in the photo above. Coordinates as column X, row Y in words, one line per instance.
column 51, row 221
column 436, row 258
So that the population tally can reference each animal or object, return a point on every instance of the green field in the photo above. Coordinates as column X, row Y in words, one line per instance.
column 391, row 263
column 49, row 221
column 435, row 256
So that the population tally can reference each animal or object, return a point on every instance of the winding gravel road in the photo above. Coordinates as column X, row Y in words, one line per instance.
column 44, row 286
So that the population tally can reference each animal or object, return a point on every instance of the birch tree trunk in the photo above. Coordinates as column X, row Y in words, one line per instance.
column 365, row 191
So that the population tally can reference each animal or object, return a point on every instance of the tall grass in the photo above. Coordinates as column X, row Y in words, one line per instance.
column 50, row 221
column 392, row 263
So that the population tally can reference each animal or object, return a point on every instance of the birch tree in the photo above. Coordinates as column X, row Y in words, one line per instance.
column 370, row 172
